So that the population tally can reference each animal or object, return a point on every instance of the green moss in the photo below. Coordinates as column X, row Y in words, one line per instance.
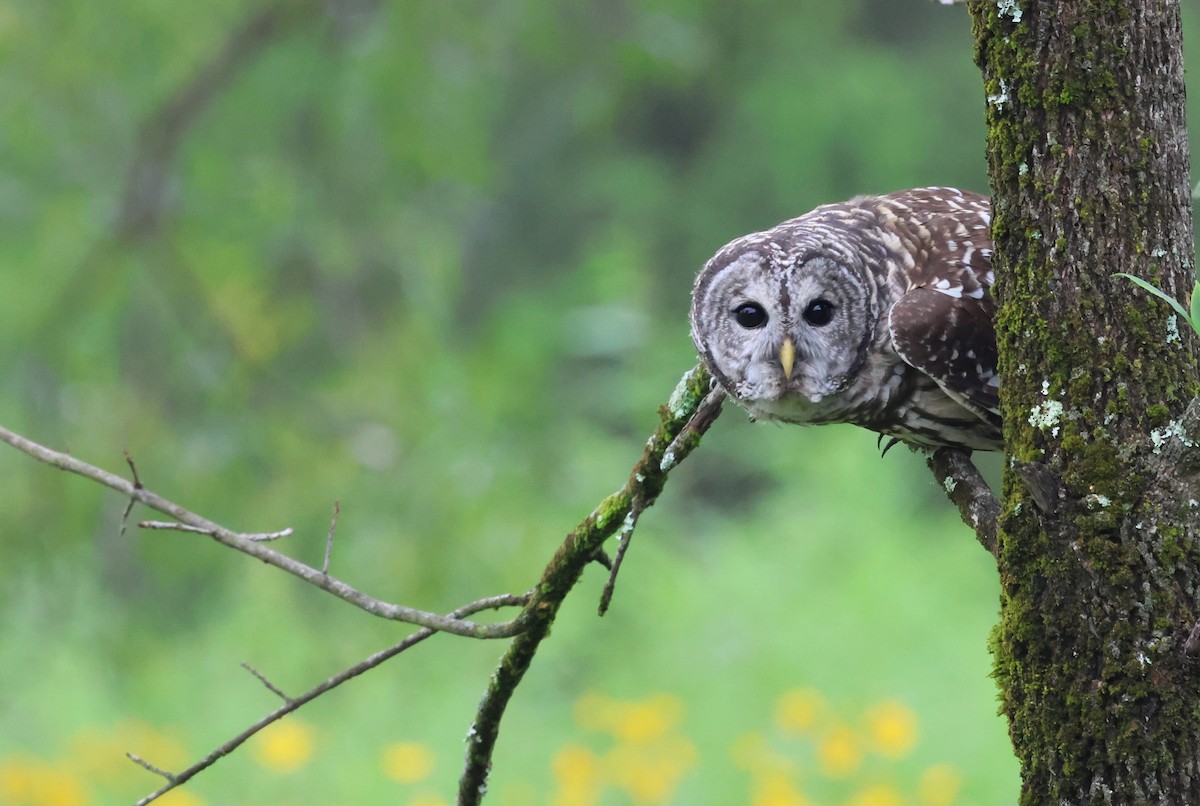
column 611, row 509
column 1073, row 444
column 1158, row 414
column 1080, row 387
column 1173, row 550
column 1099, row 465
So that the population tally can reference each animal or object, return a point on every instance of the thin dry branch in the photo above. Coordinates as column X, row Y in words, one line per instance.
column 624, row 540
column 690, row 411
column 964, row 485
column 262, row 678
column 146, row 765
column 337, row 511
column 252, row 545
column 137, row 482
column 291, row 704
column 259, row 537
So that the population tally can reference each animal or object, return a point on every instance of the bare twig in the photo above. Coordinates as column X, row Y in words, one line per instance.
column 136, row 483
column 290, row 705
column 262, row 678
column 173, row 526
column 258, row 537
column 146, row 765
column 677, row 418
column 337, row 510
column 247, row 544
column 624, row 538
column 963, row 483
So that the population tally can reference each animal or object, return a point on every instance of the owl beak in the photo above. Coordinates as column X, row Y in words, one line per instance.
column 787, row 356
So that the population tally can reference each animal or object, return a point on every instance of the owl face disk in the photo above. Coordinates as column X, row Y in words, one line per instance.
column 784, row 330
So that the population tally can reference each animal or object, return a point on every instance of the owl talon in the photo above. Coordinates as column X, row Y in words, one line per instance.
column 891, row 444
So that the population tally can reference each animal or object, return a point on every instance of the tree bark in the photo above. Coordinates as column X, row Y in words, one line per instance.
column 1098, row 553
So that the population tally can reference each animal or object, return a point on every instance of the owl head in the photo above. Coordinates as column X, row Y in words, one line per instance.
column 783, row 323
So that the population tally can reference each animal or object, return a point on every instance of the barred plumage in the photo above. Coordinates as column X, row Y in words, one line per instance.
column 876, row 311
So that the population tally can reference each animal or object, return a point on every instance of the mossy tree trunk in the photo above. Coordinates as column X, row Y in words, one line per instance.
column 1099, row 553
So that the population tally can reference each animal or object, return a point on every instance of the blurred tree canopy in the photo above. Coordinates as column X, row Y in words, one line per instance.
column 431, row 259
column 394, row 226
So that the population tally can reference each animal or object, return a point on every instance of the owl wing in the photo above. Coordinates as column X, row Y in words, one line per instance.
column 942, row 324
column 951, row 340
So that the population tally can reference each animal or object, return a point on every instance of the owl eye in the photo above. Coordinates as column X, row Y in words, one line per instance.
column 750, row 315
column 819, row 312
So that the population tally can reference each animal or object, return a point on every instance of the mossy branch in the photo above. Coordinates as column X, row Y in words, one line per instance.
column 682, row 421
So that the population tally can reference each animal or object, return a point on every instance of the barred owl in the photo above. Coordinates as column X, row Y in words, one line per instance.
column 876, row 311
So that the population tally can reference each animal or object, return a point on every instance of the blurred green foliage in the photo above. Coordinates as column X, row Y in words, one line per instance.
column 433, row 260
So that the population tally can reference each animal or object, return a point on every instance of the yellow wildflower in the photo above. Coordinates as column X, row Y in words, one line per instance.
column 285, row 746
column 776, row 789
column 839, row 752
column 407, row 762
column 939, row 785
column 651, row 773
column 879, row 795
column 892, row 727
column 31, row 781
column 648, row 719
column 578, row 773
